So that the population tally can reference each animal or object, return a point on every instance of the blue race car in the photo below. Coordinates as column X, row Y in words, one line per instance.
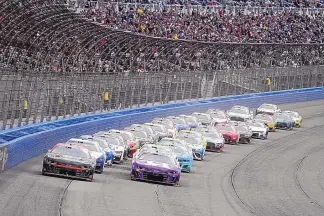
column 185, row 157
column 110, row 154
column 283, row 121
column 179, row 123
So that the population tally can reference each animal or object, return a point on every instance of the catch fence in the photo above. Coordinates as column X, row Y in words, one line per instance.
column 27, row 99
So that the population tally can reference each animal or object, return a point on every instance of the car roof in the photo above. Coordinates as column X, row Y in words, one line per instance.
column 77, row 140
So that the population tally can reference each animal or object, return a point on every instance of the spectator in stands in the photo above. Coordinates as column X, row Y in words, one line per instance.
column 214, row 24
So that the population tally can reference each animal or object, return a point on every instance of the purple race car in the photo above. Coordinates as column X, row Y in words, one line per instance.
column 156, row 167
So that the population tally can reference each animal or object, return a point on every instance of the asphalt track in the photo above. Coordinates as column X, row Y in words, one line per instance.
column 283, row 175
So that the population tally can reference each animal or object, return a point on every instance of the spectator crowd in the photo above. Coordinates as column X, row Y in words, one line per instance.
column 213, row 24
column 241, row 3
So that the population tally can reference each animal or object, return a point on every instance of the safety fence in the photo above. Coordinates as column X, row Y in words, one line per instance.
column 30, row 99
column 30, row 141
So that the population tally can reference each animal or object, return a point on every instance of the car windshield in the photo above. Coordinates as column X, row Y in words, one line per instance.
column 239, row 111
column 242, row 128
column 256, row 124
column 294, row 114
column 281, row 116
column 190, row 140
column 155, row 158
column 102, row 143
column 202, row 118
column 112, row 140
column 226, row 128
column 178, row 121
column 140, row 134
column 267, row 106
column 67, row 150
column 190, row 135
column 218, row 115
column 90, row 147
column 191, row 120
column 167, row 125
column 263, row 117
column 158, row 128
column 212, row 135
column 178, row 150
column 127, row 137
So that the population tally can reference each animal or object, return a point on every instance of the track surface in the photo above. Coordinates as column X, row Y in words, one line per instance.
column 281, row 176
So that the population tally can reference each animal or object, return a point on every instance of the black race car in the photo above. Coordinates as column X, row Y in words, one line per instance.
column 69, row 161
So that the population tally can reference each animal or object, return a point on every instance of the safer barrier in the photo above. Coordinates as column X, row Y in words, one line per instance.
column 27, row 142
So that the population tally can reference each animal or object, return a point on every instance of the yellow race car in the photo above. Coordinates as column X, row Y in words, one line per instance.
column 267, row 120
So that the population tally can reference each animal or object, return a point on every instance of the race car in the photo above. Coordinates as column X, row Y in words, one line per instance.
column 243, row 129
column 156, row 167
column 151, row 135
column 141, row 137
column 215, row 140
column 117, row 144
column 129, row 140
column 269, row 109
column 295, row 117
column 267, row 120
column 259, row 130
column 192, row 121
column 196, row 144
column 110, row 154
column 193, row 134
column 179, row 123
column 185, row 157
column 204, row 118
column 219, row 116
column 172, row 131
column 159, row 130
column 95, row 151
column 68, row 160
column 283, row 121
column 240, row 113
column 229, row 133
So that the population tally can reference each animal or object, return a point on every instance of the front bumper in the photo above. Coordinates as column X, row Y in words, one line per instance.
column 186, row 166
column 118, row 158
column 271, row 126
column 68, row 171
column 230, row 140
column 297, row 123
column 259, row 135
column 245, row 138
column 100, row 166
column 199, row 154
column 283, row 125
column 153, row 176
column 213, row 147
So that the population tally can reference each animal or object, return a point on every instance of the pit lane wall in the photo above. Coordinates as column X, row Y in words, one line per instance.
column 30, row 141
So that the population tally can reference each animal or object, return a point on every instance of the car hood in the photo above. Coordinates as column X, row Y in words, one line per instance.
column 213, row 140
column 257, row 128
column 155, row 164
column 228, row 133
column 117, row 148
column 295, row 118
column 266, row 110
column 96, row 154
column 220, row 120
column 68, row 159
column 230, row 114
column 281, row 120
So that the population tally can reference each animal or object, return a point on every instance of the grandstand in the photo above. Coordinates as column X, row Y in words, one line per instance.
column 60, row 57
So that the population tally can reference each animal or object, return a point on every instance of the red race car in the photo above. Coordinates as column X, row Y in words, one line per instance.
column 229, row 133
